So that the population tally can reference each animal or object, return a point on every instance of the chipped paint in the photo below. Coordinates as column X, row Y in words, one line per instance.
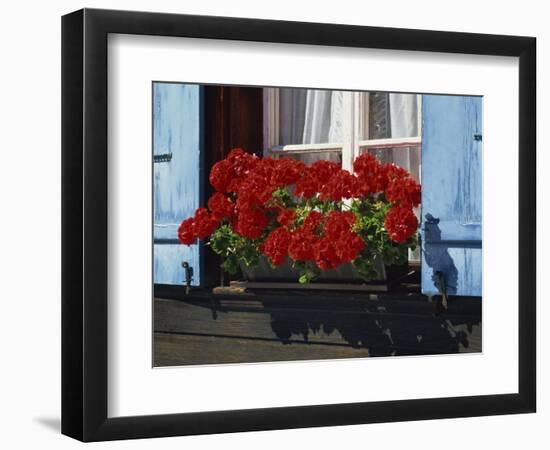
column 176, row 130
column 451, row 193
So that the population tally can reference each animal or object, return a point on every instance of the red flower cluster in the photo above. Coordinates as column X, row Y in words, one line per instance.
column 404, row 192
column 305, row 237
column 314, row 177
column 329, row 242
column 186, row 234
column 339, row 243
column 244, row 198
column 199, row 227
column 400, row 223
column 372, row 176
column 226, row 175
column 286, row 217
column 341, row 185
column 221, row 206
column 251, row 222
column 276, row 245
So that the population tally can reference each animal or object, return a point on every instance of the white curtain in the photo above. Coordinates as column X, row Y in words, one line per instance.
column 308, row 116
column 404, row 123
column 323, row 117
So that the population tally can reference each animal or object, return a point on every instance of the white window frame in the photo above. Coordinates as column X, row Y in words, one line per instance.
column 355, row 123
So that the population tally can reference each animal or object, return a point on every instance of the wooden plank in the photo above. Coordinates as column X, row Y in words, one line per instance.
column 310, row 286
column 177, row 350
column 384, row 328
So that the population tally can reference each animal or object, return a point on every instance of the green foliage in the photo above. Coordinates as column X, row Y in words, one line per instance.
column 370, row 215
column 365, row 268
column 234, row 248
column 283, row 198
column 307, row 271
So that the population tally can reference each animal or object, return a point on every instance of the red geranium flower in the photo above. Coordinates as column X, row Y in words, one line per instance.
column 394, row 172
column 342, row 185
column 276, row 245
column 325, row 254
column 186, row 235
column 251, row 222
column 204, row 223
column 366, row 165
column 330, row 253
column 371, row 175
column 286, row 217
column 301, row 244
column 339, row 243
column 312, row 221
column 242, row 161
column 349, row 246
column 323, row 171
column 315, row 177
column 287, row 171
column 400, row 223
column 338, row 223
column 306, row 186
column 221, row 206
column 221, row 175
column 403, row 191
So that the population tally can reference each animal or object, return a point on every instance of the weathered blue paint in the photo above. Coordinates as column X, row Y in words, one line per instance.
column 451, row 193
column 176, row 130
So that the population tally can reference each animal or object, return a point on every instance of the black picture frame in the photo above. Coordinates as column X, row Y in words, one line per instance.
column 84, row 224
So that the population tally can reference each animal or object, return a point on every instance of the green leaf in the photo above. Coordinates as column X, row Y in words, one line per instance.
column 231, row 264
column 304, row 279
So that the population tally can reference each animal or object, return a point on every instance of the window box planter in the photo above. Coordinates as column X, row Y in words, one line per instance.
column 344, row 277
column 345, row 273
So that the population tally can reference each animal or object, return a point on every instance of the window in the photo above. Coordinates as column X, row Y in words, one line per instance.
column 311, row 124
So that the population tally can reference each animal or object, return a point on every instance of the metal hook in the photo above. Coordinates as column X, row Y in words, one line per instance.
column 188, row 276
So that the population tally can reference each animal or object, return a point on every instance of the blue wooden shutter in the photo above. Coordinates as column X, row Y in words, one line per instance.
column 177, row 178
column 451, row 194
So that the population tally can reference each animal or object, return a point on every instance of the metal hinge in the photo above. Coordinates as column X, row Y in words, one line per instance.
column 188, row 276
column 163, row 157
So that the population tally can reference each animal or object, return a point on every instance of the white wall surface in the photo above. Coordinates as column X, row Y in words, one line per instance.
column 30, row 226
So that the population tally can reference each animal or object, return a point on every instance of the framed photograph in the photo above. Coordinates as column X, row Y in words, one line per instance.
column 273, row 224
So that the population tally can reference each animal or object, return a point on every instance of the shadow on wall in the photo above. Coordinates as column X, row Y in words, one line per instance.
column 436, row 256
column 386, row 335
column 385, row 325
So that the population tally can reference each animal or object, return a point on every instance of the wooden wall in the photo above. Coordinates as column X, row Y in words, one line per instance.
column 205, row 328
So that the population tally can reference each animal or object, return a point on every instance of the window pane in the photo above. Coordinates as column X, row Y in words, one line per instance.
column 390, row 116
column 379, row 116
column 408, row 158
column 308, row 116
column 309, row 157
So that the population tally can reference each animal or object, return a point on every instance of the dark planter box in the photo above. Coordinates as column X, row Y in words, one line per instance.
column 345, row 273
